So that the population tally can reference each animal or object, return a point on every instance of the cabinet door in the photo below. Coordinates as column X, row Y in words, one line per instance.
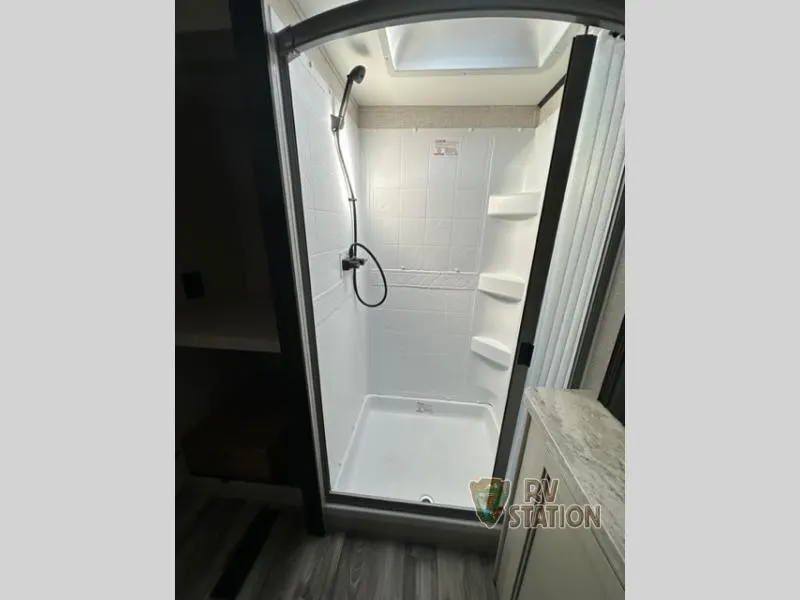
column 568, row 564
column 514, row 539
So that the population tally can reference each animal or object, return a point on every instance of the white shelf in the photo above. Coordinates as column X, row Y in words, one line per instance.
column 505, row 286
column 492, row 350
column 237, row 325
column 515, row 205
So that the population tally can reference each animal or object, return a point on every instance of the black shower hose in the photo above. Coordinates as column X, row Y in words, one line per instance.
column 353, row 253
column 353, row 250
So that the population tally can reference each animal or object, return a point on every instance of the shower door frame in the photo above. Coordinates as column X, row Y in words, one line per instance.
column 251, row 24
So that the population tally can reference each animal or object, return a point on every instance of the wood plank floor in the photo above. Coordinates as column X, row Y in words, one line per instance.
column 292, row 565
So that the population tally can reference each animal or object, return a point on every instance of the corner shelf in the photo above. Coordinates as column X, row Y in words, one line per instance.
column 492, row 350
column 515, row 205
column 247, row 325
column 505, row 286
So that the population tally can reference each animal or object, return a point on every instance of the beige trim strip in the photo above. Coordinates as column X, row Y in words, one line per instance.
column 430, row 117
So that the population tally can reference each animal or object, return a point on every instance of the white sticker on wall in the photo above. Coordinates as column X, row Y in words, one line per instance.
column 445, row 148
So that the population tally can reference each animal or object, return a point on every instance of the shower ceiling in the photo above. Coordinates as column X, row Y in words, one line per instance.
column 497, row 61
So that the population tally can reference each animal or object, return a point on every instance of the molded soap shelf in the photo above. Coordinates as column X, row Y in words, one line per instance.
column 503, row 285
column 492, row 350
column 515, row 205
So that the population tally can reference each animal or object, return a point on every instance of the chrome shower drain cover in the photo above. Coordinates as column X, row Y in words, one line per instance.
column 426, row 499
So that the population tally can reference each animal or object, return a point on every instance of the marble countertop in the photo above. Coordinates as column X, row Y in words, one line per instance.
column 589, row 444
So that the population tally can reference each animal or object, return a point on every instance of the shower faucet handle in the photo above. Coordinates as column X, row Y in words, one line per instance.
column 353, row 262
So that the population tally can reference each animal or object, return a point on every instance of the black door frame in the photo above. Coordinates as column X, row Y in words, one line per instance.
column 263, row 59
column 366, row 15
column 253, row 63
column 612, row 390
column 575, row 84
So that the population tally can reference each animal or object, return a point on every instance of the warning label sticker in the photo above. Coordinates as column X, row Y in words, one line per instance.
column 445, row 148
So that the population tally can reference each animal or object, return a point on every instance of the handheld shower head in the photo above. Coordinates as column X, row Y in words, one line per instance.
column 357, row 74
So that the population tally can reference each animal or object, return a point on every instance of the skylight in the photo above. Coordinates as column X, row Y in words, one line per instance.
column 474, row 44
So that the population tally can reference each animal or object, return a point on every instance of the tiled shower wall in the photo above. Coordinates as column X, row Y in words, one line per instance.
column 427, row 196
column 341, row 323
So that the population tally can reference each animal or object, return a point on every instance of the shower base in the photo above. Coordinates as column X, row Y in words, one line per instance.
column 419, row 450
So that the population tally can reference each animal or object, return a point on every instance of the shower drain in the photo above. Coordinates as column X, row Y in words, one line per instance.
column 426, row 499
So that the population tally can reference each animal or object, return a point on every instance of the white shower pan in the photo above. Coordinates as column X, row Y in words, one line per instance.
column 410, row 449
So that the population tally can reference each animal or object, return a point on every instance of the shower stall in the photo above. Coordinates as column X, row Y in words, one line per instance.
column 437, row 253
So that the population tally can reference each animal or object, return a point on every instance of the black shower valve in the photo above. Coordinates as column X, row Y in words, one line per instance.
column 352, row 262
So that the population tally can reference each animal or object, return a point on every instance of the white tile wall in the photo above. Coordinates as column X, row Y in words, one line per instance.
column 427, row 213
column 436, row 258
column 466, row 231
column 412, row 231
column 340, row 322
column 412, row 202
column 470, row 203
column 385, row 203
column 417, row 212
column 437, row 231
column 440, row 204
column 411, row 257
column 386, row 230
column 389, row 254
column 418, row 345
column 463, row 259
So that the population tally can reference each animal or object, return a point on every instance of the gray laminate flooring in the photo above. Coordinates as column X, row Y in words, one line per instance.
column 291, row 564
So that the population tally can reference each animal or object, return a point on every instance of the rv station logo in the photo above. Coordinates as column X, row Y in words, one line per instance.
column 489, row 496
column 538, row 508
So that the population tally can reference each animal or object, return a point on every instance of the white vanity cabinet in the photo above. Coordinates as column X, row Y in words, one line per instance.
column 513, row 541
column 551, row 563
column 567, row 564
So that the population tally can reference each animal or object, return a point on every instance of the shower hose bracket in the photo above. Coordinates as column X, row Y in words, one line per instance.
column 353, row 262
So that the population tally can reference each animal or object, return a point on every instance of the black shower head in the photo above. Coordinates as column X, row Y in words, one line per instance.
column 358, row 73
